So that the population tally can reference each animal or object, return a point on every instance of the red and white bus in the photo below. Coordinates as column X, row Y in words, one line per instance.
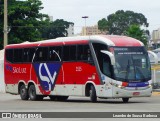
column 103, row 66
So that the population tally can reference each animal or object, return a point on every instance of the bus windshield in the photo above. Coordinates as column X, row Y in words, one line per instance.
column 132, row 64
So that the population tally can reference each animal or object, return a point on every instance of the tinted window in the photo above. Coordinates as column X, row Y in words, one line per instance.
column 72, row 52
column 84, row 53
column 18, row 55
column 55, row 53
column 103, row 59
column 66, row 53
column 30, row 54
column 69, row 53
column 9, row 55
column 25, row 55
column 41, row 54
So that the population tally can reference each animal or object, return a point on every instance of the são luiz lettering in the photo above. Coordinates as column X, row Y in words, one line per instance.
column 19, row 70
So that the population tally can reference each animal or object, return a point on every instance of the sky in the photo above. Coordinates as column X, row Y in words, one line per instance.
column 73, row 10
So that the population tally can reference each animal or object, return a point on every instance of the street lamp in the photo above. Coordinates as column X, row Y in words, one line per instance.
column 85, row 17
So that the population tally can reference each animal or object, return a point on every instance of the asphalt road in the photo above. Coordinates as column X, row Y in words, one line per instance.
column 13, row 103
column 10, row 102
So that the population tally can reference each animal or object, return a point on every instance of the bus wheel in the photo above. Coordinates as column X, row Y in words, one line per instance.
column 32, row 93
column 125, row 100
column 93, row 96
column 23, row 93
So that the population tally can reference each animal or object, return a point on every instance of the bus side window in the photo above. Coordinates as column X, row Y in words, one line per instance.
column 41, row 54
column 88, row 55
column 9, row 55
column 80, row 53
column 66, row 53
column 84, row 53
column 69, row 53
column 103, row 59
column 25, row 54
column 72, row 53
column 18, row 55
column 55, row 53
column 31, row 53
column 106, row 65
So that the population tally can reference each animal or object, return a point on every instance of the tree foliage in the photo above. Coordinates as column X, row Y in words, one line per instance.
column 24, row 20
column 120, row 21
column 26, row 23
column 102, row 25
column 136, row 32
column 56, row 29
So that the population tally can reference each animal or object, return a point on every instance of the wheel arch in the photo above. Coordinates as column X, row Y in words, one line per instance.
column 21, row 82
column 88, row 87
column 30, row 82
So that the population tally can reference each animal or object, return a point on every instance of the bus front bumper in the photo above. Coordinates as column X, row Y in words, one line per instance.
column 131, row 92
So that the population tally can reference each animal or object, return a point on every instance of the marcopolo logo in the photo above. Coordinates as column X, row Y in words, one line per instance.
column 47, row 74
column 9, row 68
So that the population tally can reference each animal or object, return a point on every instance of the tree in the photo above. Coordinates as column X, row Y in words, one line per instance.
column 24, row 21
column 56, row 29
column 136, row 32
column 102, row 25
column 120, row 21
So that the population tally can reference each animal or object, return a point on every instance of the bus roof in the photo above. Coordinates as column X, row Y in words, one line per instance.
column 111, row 40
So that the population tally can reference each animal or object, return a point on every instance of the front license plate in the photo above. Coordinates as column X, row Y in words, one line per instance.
column 136, row 93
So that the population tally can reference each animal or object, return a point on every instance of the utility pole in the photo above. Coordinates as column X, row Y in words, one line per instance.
column 5, row 30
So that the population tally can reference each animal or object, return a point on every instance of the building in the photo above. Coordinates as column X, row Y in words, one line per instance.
column 70, row 30
column 156, row 35
column 51, row 18
column 91, row 30
column 156, row 38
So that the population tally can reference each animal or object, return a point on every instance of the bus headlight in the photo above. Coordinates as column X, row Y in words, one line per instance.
column 119, row 86
column 149, row 85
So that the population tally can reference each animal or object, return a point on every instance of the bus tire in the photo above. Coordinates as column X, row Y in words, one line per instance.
column 32, row 93
column 125, row 100
column 23, row 93
column 93, row 96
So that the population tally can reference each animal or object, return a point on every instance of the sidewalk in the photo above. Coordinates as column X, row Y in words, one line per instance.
column 156, row 92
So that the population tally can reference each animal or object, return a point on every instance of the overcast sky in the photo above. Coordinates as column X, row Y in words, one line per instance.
column 73, row 10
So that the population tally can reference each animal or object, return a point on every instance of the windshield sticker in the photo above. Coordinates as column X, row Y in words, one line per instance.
column 130, row 53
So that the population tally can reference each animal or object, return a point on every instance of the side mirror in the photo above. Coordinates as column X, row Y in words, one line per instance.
column 155, row 57
column 110, row 55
